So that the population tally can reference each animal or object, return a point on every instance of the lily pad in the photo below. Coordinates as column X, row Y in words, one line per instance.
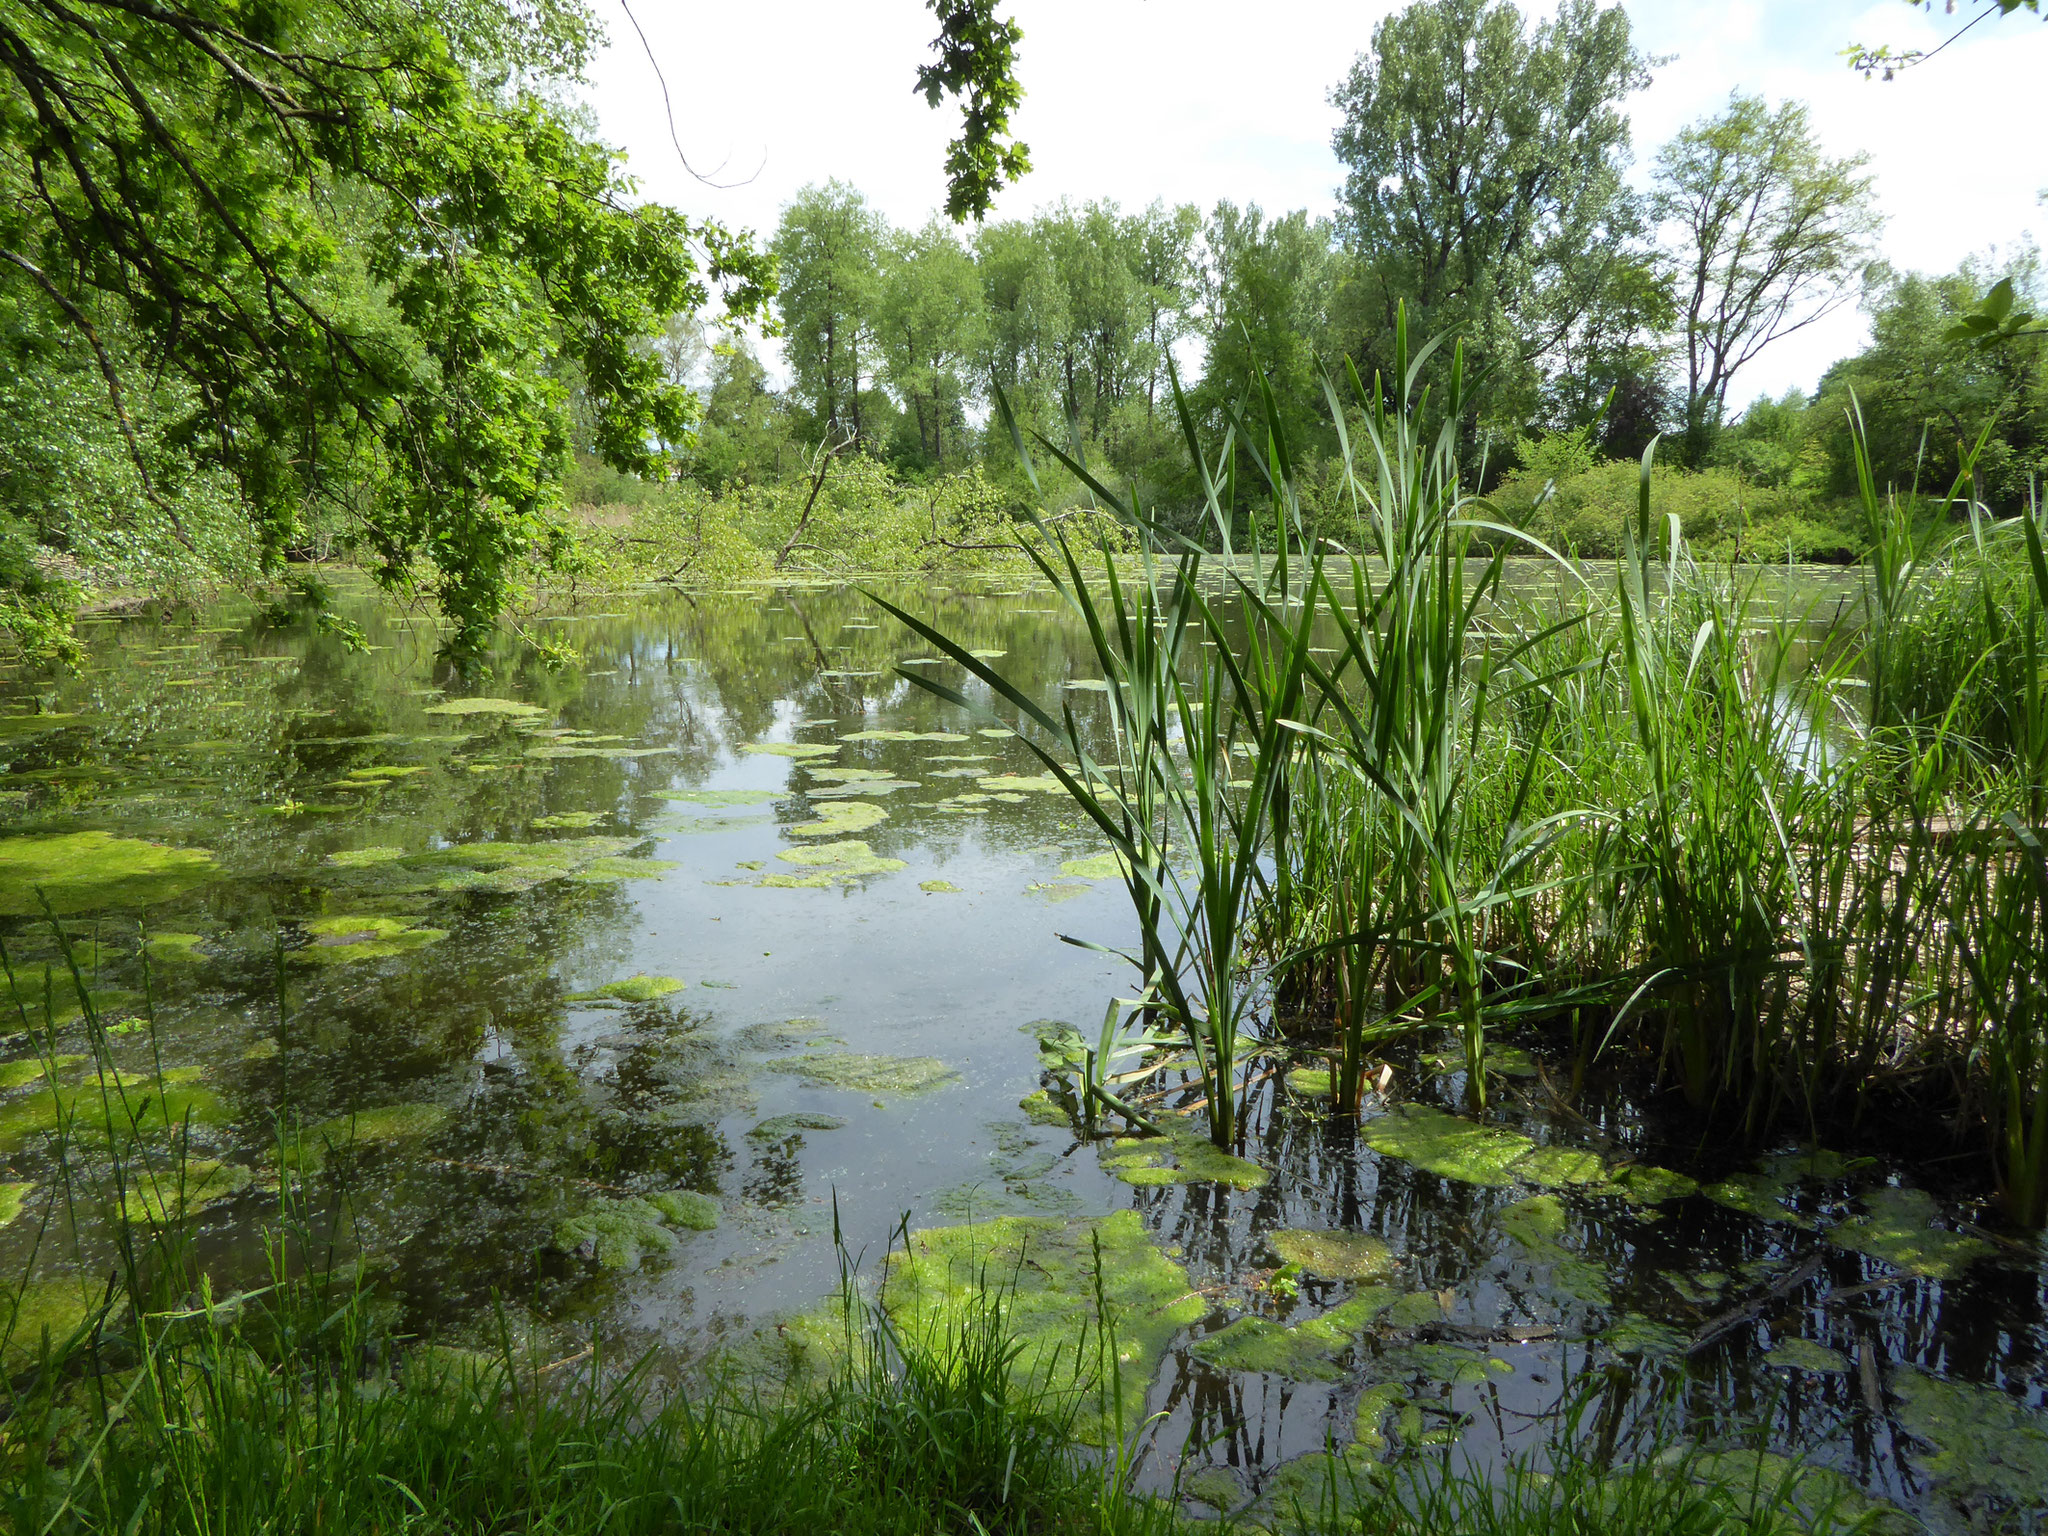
column 1333, row 1255
column 87, row 871
column 1449, row 1147
column 509, row 707
column 867, row 1074
column 1897, row 1226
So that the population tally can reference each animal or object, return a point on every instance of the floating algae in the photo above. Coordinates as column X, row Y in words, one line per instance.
column 864, row 787
column 12, row 1198
column 51, row 1310
column 1312, row 1081
column 13, row 727
column 1897, row 1227
column 723, row 797
column 569, row 820
column 1761, row 1195
column 803, row 751
column 867, row 1074
column 841, row 818
column 29, row 1069
column 834, row 864
column 640, row 988
column 1101, row 866
column 781, row 1126
column 938, row 888
column 1984, row 1447
column 155, row 1198
column 1023, row 784
column 1805, row 1355
column 619, row 1233
column 175, row 948
column 1645, row 1184
column 84, row 871
column 509, row 707
column 363, row 1128
column 878, row 735
column 1333, row 1255
column 344, row 940
column 1447, row 1146
column 1054, row 892
column 1562, row 1167
column 554, row 750
column 499, row 868
column 1195, row 1160
column 852, row 775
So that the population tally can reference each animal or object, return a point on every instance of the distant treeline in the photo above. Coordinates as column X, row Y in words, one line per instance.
column 1485, row 197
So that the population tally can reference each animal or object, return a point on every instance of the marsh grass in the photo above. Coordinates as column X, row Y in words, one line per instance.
column 1785, row 863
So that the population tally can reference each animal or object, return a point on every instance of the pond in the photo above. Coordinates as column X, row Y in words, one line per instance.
column 612, row 992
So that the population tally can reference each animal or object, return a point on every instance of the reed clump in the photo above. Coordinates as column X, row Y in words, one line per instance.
column 1786, row 861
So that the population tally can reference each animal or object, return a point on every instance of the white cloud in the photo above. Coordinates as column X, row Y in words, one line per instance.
column 1196, row 100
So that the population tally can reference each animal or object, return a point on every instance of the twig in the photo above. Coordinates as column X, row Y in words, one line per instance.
column 1735, row 1317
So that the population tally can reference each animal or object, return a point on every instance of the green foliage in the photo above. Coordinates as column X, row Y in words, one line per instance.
column 374, row 267
column 1588, row 507
column 1771, row 229
column 977, row 51
column 1483, row 182
column 1924, row 397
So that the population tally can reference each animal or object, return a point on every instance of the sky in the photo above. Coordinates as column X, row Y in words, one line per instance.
column 1201, row 100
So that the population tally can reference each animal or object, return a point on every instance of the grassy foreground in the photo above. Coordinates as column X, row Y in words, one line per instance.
column 286, row 1413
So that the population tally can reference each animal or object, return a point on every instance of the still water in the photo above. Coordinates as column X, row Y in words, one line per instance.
column 728, row 909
